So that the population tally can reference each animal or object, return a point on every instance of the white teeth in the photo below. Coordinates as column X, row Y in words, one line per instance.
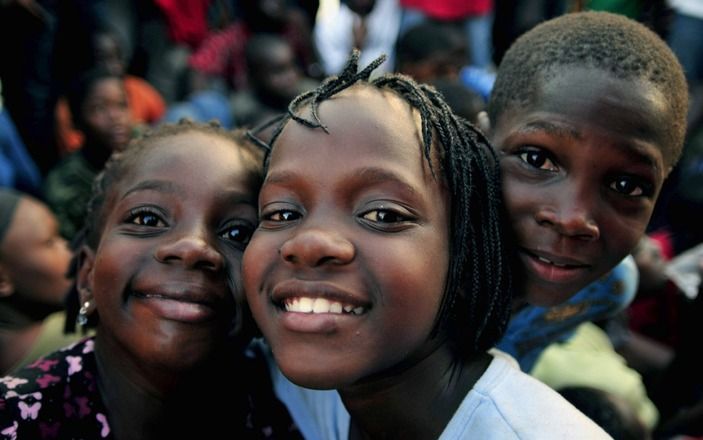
column 335, row 307
column 305, row 305
column 550, row 262
column 320, row 305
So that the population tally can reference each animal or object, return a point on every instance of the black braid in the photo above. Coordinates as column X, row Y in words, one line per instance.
column 476, row 306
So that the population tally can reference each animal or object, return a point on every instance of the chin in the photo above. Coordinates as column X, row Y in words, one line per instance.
column 547, row 298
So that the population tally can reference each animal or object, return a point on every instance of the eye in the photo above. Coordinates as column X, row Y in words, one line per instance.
column 145, row 217
column 239, row 233
column 384, row 216
column 631, row 187
column 538, row 159
column 283, row 215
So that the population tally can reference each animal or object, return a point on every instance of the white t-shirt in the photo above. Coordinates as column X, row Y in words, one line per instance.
column 505, row 403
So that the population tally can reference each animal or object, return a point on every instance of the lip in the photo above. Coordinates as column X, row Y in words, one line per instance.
column 324, row 322
column 558, row 269
column 178, row 303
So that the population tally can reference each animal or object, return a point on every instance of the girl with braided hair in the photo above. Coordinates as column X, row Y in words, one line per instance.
column 158, row 271
column 381, row 268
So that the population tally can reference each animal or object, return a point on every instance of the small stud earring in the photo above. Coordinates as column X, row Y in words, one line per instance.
column 82, row 318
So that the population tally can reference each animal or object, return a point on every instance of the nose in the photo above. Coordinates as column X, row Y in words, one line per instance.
column 317, row 247
column 571, row 214
column 192, row 250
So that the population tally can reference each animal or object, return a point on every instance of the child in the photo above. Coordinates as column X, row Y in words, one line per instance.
column 380, row 267
column 166, row 227
column 33, row 285
column 98, row 103
column 589, row 114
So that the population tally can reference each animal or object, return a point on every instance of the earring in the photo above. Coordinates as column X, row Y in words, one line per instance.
column 82, row 318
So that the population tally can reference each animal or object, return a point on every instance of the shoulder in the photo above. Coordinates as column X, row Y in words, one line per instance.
column 54, row 396
column 510, row 404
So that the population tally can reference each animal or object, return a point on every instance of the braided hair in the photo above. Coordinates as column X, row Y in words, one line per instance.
column 476, row 304
column 118, row 168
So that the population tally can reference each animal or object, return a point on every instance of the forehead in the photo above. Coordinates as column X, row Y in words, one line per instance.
column 632, row 112
column 105, row 87
column 191, row 157
column 363, row 119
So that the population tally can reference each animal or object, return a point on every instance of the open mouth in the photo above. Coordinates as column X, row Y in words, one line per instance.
column 560, row 264
column 304, row 304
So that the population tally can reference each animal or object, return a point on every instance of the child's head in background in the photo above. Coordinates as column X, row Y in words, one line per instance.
column 381, row 235
column 99, row 108
column 34, row 260
column 588, row 112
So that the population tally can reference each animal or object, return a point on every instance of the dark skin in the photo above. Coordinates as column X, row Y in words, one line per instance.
column 354, row 219
column 582, row 169
column 158, row 280
column 105, row 120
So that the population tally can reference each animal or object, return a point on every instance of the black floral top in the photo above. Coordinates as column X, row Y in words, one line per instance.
column 57, row 397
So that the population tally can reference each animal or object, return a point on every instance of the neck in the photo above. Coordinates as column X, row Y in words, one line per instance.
column 416, row 403
column 94, row 154
column 15, row 344
column 17, row 313
column 154, row 401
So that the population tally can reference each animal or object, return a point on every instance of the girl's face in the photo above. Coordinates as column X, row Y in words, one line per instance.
column 106, row 117
column 347, row 268
column 35, row 256
column 171, row 224
column 582, row 168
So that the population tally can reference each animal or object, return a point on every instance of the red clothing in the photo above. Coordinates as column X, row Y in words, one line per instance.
column 187, row 20
column 449, row 9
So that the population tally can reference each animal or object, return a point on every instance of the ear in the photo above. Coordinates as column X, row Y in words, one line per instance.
column 84, row 278
column 7, row 287
column 483, row 122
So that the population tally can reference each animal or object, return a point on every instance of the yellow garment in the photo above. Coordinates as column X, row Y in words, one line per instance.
column 50, row 339
column 589, row 359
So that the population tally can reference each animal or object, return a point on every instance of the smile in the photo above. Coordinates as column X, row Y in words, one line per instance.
column 554, row 269
column 319, row 305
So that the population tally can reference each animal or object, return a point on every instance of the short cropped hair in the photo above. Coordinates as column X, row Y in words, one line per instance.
column 601, row 40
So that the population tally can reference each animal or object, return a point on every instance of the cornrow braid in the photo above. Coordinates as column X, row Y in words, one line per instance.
column 118, row 167
column 476, row 305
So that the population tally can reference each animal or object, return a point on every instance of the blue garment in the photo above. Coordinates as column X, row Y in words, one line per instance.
column 479, row 80
column 17, row 169
column 533, row 328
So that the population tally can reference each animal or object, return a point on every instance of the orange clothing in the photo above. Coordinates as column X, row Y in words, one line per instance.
column 145, row 105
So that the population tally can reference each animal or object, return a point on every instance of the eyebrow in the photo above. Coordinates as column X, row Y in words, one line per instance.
column 551, row 128
column 153, row 185
column 366, row 176
column 563, row 131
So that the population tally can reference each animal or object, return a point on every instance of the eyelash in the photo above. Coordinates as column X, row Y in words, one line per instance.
column 645, row 189
column 524, row 156
column 142, row 213
column 240, row 238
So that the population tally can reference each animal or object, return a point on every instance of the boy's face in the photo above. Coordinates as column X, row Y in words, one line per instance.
column 106, row 117
column 347, row 268
column 158, row 274
column 35, row 256
column 582, row 169
column 277, row 75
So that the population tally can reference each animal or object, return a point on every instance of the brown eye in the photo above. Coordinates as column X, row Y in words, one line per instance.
column 537, row 159
column 146, row 218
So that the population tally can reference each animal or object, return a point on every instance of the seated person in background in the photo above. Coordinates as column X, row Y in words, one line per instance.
column 274, row 80
column 99, row 105
column 146, row 106
column 34, row 261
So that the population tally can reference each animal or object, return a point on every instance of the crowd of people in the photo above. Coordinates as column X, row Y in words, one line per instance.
column 351, row 219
